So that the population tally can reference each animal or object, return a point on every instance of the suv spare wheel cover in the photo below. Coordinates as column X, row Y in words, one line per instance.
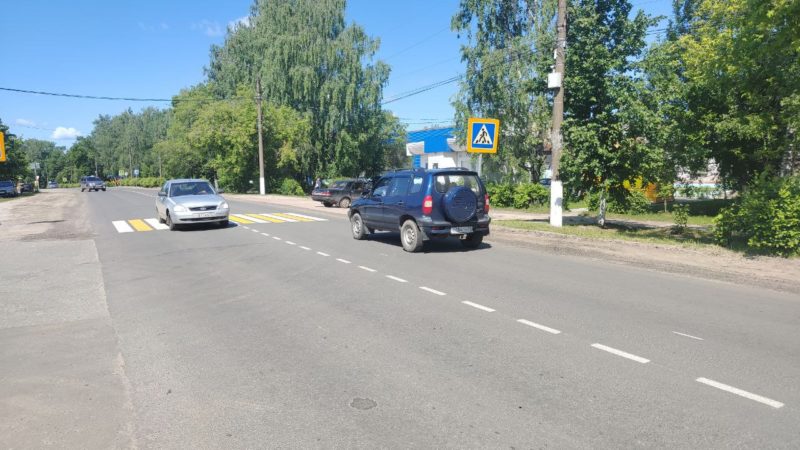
column 460, row 204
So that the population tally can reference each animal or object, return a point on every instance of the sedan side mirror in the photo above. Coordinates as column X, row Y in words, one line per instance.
column 162, row 194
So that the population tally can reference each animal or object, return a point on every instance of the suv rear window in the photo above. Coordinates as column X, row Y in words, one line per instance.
column 445, row 181
column 92, row 179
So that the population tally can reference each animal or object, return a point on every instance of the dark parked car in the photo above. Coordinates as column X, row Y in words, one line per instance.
column 27, row 187
column 8, row 189
column 92, row 184
column 52, row 185
column 423, row 205
column 341, row 192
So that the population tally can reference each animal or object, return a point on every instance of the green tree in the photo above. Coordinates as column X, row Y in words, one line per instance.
column 743, row 68
column 509, row 51
column 16, row 165
column 611, row 124
column 309, row 59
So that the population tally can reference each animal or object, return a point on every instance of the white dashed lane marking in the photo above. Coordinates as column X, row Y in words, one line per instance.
column 476, row 305
column 343, row 260
column 688, row 336
column 432, row 291
column 290, row 243
column 749, row 395
column 614, row 351
column 323, row 254
column 367, row 269
column 392, row 277
column 265, row 234
column 304, row 247
column 276, row 238
column 538, row 326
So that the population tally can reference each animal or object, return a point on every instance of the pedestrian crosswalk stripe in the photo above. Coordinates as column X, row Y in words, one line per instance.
column 122, row 226
column 250, row 218
column 151, row 224
column 139, row 225
column 268, row 219
column 278, row 217
column 156, row 224
column 316, row 219
column 239, row 220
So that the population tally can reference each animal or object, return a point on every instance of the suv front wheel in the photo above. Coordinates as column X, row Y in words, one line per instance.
column 410, row 236
column 357, row 226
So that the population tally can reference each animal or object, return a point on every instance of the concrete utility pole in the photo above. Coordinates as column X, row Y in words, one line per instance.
column 261, row 185
column 556, row 188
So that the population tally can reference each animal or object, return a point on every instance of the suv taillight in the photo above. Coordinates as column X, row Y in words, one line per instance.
column 486, row 203
column 427, row 205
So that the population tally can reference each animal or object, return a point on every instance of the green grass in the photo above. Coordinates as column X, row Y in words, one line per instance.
column 667, row 218
column 691, row 237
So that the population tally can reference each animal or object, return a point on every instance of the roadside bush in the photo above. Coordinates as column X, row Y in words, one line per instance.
column 622, row 201
column 528, row 194
column 766, row 217
column 501, row 195
column 290, row 186
column 680, row 214
column 148, row 182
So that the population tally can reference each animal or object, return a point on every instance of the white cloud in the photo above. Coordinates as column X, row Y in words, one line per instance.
column 240, row 22
column 26, row 122
column 63, row 133
column 212, row 29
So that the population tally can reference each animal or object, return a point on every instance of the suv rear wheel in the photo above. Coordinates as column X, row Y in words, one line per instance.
column 357, row 226
column 410, row 236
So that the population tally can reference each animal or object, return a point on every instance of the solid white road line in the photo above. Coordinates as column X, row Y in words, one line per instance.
column 614, row 351
column 156, row 224
column 745, row 394
column 265, row 234
column 122, row 226
column 323, row 254
column 251, row 219
column 308, row 217
column 392, row 277
column 304, row 247
column 343, row 260
column 432, row 291
column 284, row 219
column 276, row 238
column 367, row 269
column 475, row 305
column 539, row 326
column 290, row 243
column 688, row 336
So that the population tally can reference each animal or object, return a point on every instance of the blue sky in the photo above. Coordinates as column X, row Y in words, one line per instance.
column 152, row 49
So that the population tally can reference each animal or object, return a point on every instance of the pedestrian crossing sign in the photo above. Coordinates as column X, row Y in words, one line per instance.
column 482, row 135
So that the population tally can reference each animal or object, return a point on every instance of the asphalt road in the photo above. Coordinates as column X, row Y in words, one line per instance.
column 295, row 335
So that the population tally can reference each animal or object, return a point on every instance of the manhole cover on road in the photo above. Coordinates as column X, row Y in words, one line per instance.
column 363, row 403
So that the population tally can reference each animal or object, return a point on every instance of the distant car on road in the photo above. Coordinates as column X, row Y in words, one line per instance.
column 92, row 183
column 52, row 185
column 8, row 188
column 26, row 187
column 340, row 193
column 424, row 204
column 189, row 201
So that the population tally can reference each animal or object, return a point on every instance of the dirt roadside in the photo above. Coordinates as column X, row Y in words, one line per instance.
column 50, row 214
column 711, row 263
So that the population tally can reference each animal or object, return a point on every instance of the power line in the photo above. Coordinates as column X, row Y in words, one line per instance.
column 129, row 99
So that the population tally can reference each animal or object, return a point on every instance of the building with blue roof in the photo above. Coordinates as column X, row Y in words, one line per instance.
column 436, row 148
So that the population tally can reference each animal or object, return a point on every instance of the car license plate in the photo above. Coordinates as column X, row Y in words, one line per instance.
column 460, row 230
column 205, row 214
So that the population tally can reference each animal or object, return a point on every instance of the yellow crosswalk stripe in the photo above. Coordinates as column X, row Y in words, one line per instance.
column 268, row 219
column 239, row 220
column 290, row 216
column 139, row 225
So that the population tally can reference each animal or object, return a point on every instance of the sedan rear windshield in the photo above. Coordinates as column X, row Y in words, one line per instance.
column 445, row 181
column 190, row 188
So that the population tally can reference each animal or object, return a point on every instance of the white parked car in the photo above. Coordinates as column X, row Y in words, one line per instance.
column 188, row 201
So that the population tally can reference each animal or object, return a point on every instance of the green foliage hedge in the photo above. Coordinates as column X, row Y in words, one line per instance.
column 520, row 196
column 290, row 186
column 766, row 217
column 627, row 202
column 148, row 182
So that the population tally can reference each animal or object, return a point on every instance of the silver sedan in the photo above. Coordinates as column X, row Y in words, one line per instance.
column 188, row 201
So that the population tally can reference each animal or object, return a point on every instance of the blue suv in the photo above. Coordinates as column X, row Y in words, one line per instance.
column 423, row 205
